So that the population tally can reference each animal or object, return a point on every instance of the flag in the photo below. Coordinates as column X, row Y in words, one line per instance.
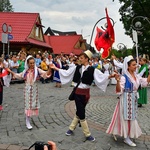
column 105, row 38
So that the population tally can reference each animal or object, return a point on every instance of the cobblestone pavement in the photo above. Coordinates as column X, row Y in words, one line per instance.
column 56, row 113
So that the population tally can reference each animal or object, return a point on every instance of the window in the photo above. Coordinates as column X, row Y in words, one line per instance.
column 37, row 31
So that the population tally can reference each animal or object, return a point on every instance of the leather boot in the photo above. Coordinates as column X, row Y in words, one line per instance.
column 85, row 128
column 74, row 123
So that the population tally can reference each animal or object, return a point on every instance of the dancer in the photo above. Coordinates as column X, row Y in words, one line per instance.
column 3, row 80
column 30, row 75
column 124, row 122
column 83, row 75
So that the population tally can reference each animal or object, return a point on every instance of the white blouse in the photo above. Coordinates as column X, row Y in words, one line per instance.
column 100, row 79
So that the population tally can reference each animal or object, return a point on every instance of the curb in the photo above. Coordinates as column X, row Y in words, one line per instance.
column 69, row 108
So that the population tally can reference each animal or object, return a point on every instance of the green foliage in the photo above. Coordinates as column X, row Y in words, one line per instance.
column 123, row 53
column 130, row 9
column 5, row 6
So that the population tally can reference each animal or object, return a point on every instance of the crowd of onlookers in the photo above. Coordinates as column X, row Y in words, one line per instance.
column 16, row 63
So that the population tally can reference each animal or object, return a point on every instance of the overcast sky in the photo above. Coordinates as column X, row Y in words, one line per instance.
column 75, row 15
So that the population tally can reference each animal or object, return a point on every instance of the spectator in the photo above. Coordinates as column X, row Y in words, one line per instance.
column 38, row 60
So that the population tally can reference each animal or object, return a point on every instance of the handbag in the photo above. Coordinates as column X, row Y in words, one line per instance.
column 72, row 95
column 38, row 145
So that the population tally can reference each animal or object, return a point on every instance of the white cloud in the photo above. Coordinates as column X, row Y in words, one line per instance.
column 79, row 16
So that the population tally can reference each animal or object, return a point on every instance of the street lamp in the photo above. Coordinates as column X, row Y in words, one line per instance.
column 101, row 26
column 121, row 46
column 136, row 22
column 136, row 27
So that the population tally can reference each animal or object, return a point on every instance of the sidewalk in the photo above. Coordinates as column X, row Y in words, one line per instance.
column 56, row 114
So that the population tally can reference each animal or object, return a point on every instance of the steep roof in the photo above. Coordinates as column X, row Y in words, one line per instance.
column 50, row 31
column 65, row 44
column 22, row 25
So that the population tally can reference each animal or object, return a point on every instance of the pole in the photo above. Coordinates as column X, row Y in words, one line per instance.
column 137, row 54
column 3, row 48
column 8, row 47
column 135, row 39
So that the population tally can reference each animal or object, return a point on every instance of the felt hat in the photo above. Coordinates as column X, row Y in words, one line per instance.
column 89, row 53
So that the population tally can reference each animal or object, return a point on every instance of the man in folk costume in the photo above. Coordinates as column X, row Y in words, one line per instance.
column 124, row 120
column 30, row 75
column 143, row 72
column 83, row 75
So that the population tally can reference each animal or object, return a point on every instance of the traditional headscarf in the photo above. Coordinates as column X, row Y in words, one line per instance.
column 27, row 67
column 125, row 69
column 125, row 64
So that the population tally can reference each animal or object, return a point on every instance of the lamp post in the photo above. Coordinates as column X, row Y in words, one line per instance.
column 136, row 28
column 101, row 26
column 121, row 46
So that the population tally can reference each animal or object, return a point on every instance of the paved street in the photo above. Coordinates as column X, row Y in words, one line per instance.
column 56, row 113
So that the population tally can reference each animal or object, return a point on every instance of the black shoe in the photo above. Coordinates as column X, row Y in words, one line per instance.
column 90, row 138
column 69, row 132
column 139, row 105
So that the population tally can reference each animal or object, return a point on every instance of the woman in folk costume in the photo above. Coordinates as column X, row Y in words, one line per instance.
column 3, row 80
column 124, row 121
column 143, row 72
column 56, row 77
column 30, row 75
column 83, row 76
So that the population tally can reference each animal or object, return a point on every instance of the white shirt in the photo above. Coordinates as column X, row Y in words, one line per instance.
column 100, row 79
column 118, row 64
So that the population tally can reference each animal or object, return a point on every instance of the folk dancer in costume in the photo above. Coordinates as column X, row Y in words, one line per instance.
column 85, row 74
column 117, row 63
column 56, row 77
column 124, row 121
column 3, row 81
column 143, row 72
column 106, row 66
column 7, row 78
column 30, row 75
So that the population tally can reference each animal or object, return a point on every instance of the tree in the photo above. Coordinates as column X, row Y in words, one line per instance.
column 5, row 6
column 130, row 9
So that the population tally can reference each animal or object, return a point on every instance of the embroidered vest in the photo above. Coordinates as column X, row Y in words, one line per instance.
column 37, row 78
column 128, row 84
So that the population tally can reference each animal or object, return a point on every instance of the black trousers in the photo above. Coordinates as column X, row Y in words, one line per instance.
column 80, row 102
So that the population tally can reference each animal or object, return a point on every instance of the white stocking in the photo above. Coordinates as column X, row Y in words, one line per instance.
column 28, row 122
column 128, row 140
